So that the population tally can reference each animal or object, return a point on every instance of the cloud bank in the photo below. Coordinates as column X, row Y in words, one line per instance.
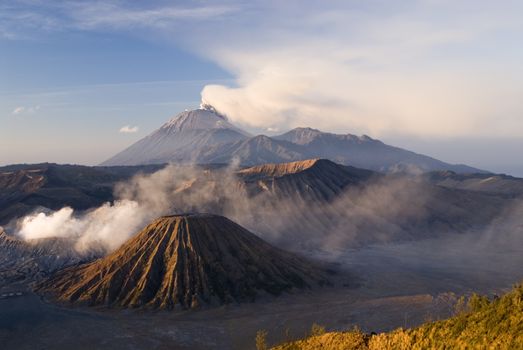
column 425, row 68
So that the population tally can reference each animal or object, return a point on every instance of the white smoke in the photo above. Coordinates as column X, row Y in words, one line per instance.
column 138, row 201
column 40, row 225
column 109, row 225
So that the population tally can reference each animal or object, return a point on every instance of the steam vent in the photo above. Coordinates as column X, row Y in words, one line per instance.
column 185, row 261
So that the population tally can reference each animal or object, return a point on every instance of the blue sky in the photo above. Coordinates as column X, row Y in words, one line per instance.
column 75, row 91
column 439, row 77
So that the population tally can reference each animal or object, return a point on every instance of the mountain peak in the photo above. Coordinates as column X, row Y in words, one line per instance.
column 306, row 129
column 197, row 119
column 305, row 135
column 208, row 107
column 204, row 118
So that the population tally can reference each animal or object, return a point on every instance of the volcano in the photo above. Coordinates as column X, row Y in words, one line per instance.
column 180, row 139
column 185, row 261
column 314, row 179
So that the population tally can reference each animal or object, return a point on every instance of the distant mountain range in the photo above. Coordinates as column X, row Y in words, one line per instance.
column 204, row 136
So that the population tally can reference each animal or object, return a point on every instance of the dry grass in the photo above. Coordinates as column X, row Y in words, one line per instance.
column 481, row 325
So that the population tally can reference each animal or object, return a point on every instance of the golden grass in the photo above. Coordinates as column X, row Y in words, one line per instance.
column 482, row 324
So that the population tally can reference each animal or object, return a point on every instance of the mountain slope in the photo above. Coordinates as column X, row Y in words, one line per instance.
column 33, row 259
column 185, row 260
column 505, row 185
column 363, row 152
column 52, row 186
column 255, row 150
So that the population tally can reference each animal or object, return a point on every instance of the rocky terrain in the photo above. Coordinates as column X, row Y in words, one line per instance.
column 185, row 261
column 32, row 260
column 26, row 187
column 498, row 184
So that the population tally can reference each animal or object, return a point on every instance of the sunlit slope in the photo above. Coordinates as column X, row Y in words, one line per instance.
column 483, row 325
column 185, row 261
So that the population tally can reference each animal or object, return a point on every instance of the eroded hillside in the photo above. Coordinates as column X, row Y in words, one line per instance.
column 185, row 261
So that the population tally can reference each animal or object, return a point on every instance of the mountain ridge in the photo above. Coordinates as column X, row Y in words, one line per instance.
column 204, row 136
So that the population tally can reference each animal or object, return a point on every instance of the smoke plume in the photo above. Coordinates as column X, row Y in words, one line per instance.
column 138, row 201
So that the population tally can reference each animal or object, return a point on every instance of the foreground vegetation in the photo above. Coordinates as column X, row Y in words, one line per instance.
column 478, row 324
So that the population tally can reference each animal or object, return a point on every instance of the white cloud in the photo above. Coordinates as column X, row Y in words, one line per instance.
column 127, row 129
column 94, row 15
column 25, row 110
column 27, row 20
column 18, row 110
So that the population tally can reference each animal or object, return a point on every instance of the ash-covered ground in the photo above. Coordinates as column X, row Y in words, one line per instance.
column 394, row 285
